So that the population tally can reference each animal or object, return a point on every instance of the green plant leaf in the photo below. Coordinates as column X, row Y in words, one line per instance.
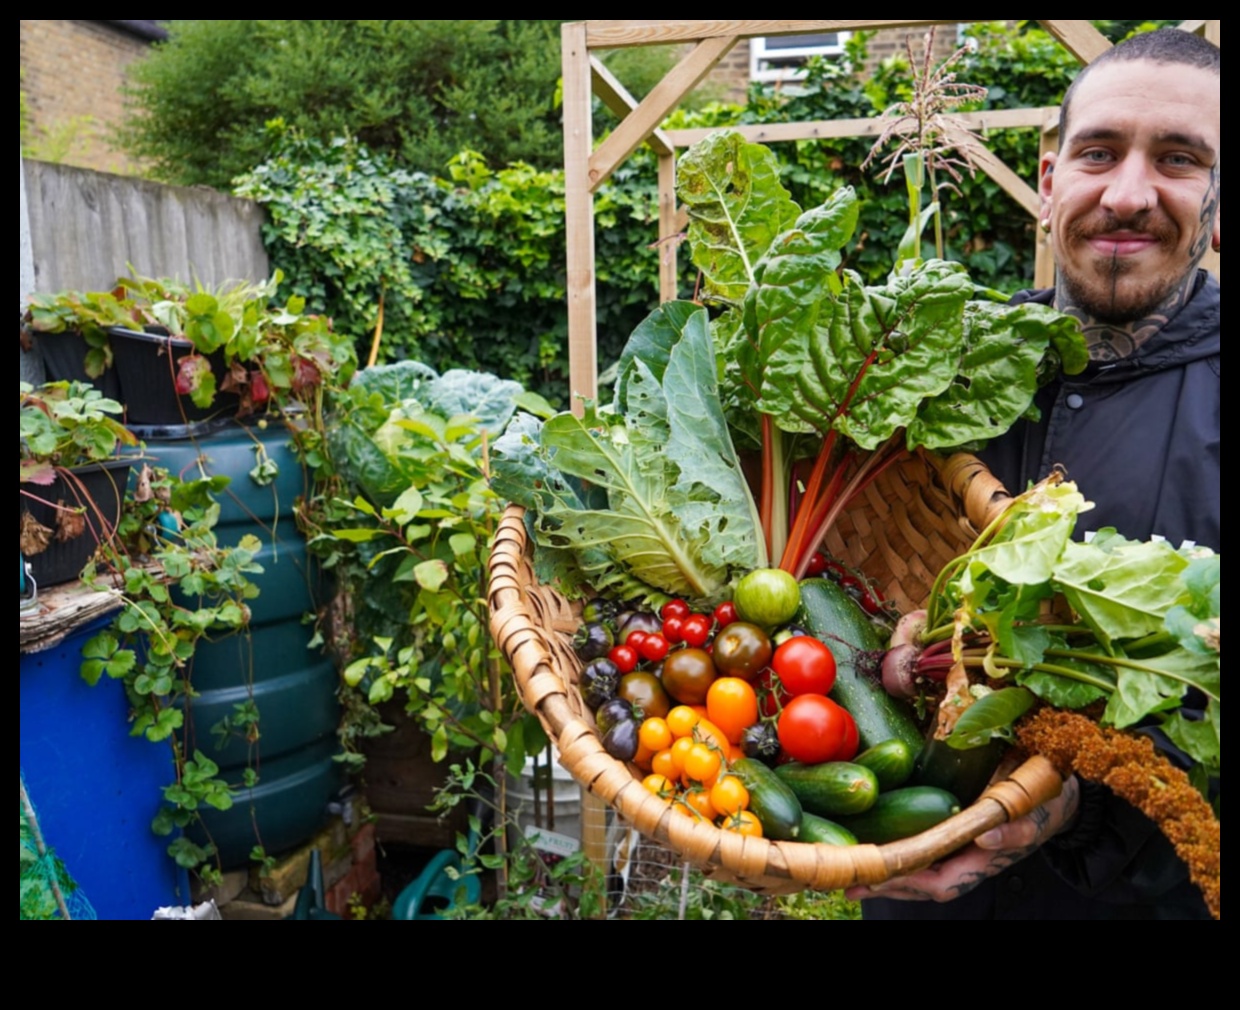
column 431, row 574
column 1124, row 592
column 998, row 374
column 736, row 205
column 871, row 356
column 990, row 716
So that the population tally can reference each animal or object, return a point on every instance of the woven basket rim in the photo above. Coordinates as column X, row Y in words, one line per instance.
column 758, row 863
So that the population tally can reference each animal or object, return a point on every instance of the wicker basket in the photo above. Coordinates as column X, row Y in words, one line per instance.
column 916, row 517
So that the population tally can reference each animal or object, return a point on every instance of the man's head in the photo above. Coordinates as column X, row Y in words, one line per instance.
column 1132, row 196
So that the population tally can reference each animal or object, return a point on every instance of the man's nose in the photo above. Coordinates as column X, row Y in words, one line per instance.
column 1130, row 187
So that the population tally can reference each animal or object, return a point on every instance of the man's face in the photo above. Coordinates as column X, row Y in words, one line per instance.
column 1132, row 195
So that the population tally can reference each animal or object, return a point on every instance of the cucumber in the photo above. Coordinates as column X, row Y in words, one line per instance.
column 902, row 813
column 891, row 761
column 834, row 617
column 963, row 773
column 819, row 831
column 770, row 799
column 831, row 789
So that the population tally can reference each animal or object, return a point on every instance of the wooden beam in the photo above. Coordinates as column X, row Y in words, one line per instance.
column 652, row 110
column 579, row 216
column 616, row 97
column 1197, row 27
column 616, row 34
column 1044, row 252
column 1080, row 38
column 766, row 133
column 1214, row 32
column 993, row 166
column 668, row 230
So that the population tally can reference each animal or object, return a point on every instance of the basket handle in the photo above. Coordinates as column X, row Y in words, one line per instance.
column 969, row 479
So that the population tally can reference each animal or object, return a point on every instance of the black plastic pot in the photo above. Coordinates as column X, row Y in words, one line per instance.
column 147, row 364
column 64, row 359
column 97, row 490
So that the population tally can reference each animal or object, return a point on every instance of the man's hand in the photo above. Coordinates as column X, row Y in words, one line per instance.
column 992, row 853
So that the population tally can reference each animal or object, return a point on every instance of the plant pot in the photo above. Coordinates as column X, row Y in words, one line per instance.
column 64, row 359
column 97, row 490
column 147, row 364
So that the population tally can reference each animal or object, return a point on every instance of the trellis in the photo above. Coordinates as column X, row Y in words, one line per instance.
column 587, row 167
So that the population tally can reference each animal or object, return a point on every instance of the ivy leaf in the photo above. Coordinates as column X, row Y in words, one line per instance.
column 990, row 716
column 431, row 574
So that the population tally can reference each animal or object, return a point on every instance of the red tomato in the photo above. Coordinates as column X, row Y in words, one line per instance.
column 674, row 608
column 852, row 739
column 812, row 728
column 695, row 630
column 817, row 564
column 635, row 638
column 653, row 648
column 625, row 657
column 674, row 629
column 725, row 614
column 805, row 666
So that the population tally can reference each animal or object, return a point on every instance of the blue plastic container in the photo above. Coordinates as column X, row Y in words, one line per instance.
column 292, row 683
column 96, row 788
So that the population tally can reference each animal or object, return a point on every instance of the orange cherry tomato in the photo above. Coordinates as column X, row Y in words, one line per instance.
column 660, row 785
column 655, row 734
column 699, row 800
column 681, row 720
column 732, row 705
column 680, row 753
column 703, row 763
column 743, row 822
column 663, row 764
column 729, row 795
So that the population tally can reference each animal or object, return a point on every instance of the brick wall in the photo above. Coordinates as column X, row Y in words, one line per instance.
column 72, row 75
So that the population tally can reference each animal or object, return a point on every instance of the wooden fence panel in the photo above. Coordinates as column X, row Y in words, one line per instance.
column 87, row 226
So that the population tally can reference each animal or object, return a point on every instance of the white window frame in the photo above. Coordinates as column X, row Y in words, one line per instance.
column 761, row 56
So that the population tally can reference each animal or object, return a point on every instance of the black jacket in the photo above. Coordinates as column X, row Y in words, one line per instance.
column 1140, row 437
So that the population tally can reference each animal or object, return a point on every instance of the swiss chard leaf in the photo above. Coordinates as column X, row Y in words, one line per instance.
column 998, row 373
column 1197, row 623
column 736, row 206
column 871, row 356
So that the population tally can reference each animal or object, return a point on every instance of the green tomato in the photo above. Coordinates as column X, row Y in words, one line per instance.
column 767, row 597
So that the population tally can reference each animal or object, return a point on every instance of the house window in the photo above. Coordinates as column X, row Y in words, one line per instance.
column 782, row 58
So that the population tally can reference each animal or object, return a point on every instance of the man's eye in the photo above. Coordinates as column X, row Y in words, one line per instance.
column 1097, row 155
column 1179, row 160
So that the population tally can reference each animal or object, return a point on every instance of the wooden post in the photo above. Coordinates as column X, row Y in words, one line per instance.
column 579, row 216
column 668, row 228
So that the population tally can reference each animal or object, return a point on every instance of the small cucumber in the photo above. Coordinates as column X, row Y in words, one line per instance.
column 831, row 789
column 902, row 813
column 891, row 762
column 819, row 830
column 963, row 773
column 770, row 800
column 834, row 617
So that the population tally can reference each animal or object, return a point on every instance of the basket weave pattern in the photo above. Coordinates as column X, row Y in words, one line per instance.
column 899, row 535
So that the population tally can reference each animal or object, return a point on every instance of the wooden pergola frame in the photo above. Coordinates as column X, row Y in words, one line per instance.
column 586, row 167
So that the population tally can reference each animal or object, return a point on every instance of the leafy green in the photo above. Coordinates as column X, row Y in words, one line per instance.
column 737, row 206
column 678, row 514
column 990, row 716
column 1122, row 592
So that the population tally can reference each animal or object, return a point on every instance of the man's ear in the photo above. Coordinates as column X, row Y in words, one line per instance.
column 1046, row 175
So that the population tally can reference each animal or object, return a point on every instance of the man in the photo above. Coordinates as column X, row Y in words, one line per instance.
column 1131, row 202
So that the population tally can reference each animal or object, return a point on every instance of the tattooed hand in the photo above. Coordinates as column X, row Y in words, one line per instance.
column 992, row 853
